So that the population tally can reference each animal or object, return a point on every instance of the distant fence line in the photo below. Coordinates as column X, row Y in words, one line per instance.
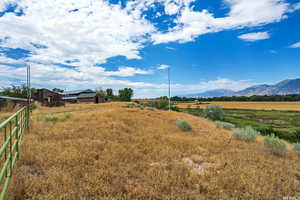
column 12, row 130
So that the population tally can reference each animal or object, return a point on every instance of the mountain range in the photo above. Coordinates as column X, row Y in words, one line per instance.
column 290, row 86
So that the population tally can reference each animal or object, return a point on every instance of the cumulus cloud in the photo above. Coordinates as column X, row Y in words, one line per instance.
column 128, row 71
column 90, row 31
column 243, row 13
column 296, row 45
column 252, row 37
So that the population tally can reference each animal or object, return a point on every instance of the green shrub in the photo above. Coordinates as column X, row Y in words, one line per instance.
column 246, row 134
column 128, row 105
column 274, row 145
column 297, row 148
column 183, row 125
column 67, row 116
column 51, row 119
column 224, row 125
column 214, row 112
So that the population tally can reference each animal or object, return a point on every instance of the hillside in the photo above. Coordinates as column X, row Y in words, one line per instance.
column 212, row 93
column 109, row 152
column 285, row 87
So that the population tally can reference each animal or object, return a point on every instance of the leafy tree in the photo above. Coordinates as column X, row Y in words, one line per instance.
column 109, row 92
column 101, row 93
column 125, row 94
column 57, row 90
column 16, row 91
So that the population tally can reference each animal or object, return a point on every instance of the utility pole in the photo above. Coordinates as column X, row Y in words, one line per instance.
column 169, row 88
column 28, row 85
column 28, row 96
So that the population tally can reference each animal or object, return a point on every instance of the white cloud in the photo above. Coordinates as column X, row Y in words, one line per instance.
column 171, row 8
column 243, row 13
column 295, row 7
column 183, row 89
column 128, row 71
column 94, row 33
column 162, row 67
column 252, row 37
column 296, row 45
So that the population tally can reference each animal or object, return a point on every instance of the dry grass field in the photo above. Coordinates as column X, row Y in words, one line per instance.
column 292, row 106
column 107, row 152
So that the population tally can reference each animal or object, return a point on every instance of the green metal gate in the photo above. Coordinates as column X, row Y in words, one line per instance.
column 12, row 131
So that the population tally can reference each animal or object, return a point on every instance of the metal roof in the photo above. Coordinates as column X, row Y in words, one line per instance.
column 13, row 98
column 87, row 95
column 77, row 92
column 69, row 98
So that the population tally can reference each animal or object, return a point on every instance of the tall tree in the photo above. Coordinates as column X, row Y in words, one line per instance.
column 125, row 94
column 109, row 92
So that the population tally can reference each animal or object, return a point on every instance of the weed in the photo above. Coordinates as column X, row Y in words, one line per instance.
column 183, row 125
column 50, row 119
column 297, row 148
column 224, row 125
column 246, row 134
column 214, row 112
column 274, row 145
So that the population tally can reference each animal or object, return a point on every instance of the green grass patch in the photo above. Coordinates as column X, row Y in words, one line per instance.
column 52, row 118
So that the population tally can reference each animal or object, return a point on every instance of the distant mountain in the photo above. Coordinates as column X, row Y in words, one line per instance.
column 284, row 87
column 213, row 93
column 291, row 86
column 254, row 90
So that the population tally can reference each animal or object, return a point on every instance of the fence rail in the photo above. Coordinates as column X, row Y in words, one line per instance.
column 12, row 131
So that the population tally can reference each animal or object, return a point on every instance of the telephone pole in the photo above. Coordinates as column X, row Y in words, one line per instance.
column 169, row 88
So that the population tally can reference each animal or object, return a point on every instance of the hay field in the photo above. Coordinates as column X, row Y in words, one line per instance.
column 112, row 153
column 292, row 106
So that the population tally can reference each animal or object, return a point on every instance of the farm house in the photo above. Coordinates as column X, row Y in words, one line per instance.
column 83, row 96
column 48, row 97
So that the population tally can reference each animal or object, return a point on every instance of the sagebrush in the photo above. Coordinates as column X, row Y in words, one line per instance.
column 297, row 148
column 213, row 112
column 183, row 125
column 274, row 145
column 246, row 134
column 224, row 125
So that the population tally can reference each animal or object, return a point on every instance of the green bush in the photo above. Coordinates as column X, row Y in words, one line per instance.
column 183, row 125
column 128, row 106
column 297, row 148
column 214, row 112
column 51, row 119
column 224, row 125
column 274, row 145
column 246, row 134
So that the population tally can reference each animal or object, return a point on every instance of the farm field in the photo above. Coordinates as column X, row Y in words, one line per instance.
column 284, row 124
column 106, row 151
column 292, row 106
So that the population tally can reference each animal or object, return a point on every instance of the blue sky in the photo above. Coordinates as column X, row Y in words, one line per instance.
column 230, row 44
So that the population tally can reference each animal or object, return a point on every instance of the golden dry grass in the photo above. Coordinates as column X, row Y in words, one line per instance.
column 111, row 153
column 293, row 106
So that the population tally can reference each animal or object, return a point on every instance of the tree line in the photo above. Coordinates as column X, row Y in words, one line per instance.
column 123, row 94
column 22, row 92
column 289, row 97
